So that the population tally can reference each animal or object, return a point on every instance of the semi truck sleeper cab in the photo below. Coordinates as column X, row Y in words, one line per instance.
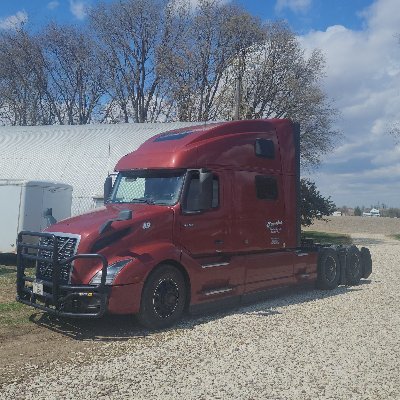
column 197, row 218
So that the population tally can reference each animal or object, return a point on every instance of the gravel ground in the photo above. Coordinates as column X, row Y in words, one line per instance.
column 342, row 344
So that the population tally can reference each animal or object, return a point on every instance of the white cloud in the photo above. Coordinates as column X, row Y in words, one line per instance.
column 52, row 5
column 78, row 9
column 363, row 76
column 14, row 21
column 293, row 5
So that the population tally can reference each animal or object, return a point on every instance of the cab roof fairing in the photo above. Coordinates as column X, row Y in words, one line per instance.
column 183, row 148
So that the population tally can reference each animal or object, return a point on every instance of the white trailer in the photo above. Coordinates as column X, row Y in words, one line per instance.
column 23, row 205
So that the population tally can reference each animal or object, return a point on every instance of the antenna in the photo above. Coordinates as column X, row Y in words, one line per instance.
column 109, row 156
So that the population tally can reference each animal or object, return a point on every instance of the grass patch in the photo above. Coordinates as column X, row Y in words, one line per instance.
column 396, row 236
column 10, row 307
column 325, row 237
column 11, row 320
column 5, row 270
column 8, row 277
column 12, row 313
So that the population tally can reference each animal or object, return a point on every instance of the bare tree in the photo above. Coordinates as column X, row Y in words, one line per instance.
column 210, row 37
column 153, row 60
column 130, row 33
column 53, row 77
column 74, row 75
column 22, row 80
column 279, row 81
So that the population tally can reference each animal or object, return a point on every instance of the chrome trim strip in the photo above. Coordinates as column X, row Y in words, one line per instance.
column 301, row 254
column 218, row 291
column 221, row 264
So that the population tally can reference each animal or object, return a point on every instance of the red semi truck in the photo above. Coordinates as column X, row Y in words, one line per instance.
column 197, row 218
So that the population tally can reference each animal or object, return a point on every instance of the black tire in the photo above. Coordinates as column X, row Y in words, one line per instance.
column 366, row 262
column 354, row 269
column 163, row 298
column 328, row 274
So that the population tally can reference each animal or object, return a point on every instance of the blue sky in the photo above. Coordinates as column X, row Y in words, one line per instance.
column 303, row 15
column 358, row 39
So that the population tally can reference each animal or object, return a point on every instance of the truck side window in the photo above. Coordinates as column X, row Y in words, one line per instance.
column 192, row 196
column 266, row 187
column 264, row 148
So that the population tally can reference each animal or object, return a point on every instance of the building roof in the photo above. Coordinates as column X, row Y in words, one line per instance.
column 79, row 155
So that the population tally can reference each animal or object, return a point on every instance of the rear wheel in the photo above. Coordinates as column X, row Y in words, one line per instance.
column 366, row 262
column 328, row 269
column 354, row 269
column 163, row 298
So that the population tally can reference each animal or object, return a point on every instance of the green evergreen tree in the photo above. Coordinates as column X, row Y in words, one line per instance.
column 313, row 204
column 357, row 212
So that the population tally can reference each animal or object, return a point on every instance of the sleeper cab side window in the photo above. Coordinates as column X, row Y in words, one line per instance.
column 266, row 187
column 192, row 202
column 264, row 148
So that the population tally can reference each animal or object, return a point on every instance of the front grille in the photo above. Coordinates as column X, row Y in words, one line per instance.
column 66, row 246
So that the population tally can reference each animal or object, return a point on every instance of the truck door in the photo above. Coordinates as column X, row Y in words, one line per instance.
column 260, row 229
column 205, row 236
column 203, row 233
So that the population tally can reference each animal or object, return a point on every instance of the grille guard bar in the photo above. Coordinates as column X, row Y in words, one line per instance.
column 60, row 293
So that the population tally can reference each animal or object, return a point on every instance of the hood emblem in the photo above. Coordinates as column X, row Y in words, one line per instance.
column 146, row 225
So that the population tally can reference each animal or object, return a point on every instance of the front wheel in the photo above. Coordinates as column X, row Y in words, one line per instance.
column 163, row 298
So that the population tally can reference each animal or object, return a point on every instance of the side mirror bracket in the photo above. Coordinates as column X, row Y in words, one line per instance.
column 107, row 188
column 123, row 215
column 48, row 214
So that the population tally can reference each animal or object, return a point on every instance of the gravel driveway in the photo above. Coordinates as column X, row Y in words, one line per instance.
column 343, row 344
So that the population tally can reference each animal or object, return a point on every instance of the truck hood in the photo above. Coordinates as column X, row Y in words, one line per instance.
column 149, row 224
column 87, row 225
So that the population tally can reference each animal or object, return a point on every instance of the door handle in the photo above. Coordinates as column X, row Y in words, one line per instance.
column 219, row 242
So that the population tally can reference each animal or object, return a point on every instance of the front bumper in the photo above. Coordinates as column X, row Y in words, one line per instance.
column 85, row 301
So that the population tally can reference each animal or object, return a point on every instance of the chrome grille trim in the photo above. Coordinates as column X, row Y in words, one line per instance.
column 67, row 247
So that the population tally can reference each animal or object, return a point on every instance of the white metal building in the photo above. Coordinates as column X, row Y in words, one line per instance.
column 80, row 156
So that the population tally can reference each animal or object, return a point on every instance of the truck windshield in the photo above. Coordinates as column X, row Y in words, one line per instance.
column 148, row 186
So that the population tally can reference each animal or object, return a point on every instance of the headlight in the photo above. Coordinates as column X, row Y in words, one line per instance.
column 112, row 272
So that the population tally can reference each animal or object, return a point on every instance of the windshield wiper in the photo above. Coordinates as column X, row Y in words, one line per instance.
column 142, row 200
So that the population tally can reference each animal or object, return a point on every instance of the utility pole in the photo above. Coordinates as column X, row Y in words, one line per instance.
column 238, row 91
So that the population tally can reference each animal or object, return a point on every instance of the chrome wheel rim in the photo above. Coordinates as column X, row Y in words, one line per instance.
column 165, row 298
column 330, row 269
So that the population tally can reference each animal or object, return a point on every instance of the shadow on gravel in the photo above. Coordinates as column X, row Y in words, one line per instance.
column 115, row 328
column 110, row 328
column 367, row 241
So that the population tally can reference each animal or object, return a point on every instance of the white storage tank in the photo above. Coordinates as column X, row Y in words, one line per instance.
column 23, row 205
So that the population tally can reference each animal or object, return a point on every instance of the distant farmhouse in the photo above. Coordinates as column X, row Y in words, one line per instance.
column 372, row 213
column 80, row 155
